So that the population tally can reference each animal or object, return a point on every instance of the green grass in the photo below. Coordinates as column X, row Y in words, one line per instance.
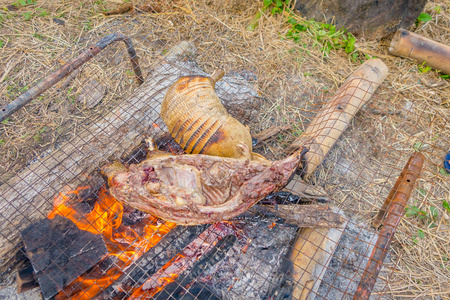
column 424, row 18
column 325, row 36
column 20, row 3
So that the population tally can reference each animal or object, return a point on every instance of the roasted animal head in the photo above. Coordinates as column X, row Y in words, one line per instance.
column 199, row 122
column 194, row 189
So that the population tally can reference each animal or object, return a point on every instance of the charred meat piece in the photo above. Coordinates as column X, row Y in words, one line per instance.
column 195, row 189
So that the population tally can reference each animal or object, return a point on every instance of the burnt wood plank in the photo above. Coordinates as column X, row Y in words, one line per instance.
column 60, row 252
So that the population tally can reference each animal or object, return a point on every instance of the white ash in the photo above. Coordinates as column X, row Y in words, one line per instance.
column 349, row 262
column 258, row 271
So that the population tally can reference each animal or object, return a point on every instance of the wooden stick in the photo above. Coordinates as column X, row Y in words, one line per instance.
column 312, row 215
column 395, row 203
column 328, row 125
column 411, row 45
column 310, row 256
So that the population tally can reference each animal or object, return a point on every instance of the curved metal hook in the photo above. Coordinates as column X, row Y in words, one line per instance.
column 86, row 55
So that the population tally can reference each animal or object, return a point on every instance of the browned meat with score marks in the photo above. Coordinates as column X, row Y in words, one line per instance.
column 194, row 189
column 199, row 122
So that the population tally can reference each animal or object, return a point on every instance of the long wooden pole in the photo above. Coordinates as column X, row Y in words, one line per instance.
column 429, row 52
column 313, row 247
column 328, row 125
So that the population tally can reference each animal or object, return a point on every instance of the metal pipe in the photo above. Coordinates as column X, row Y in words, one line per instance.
column 394, row 205
column 86, row 55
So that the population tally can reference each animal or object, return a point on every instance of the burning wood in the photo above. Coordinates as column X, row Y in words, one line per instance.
column 143, row 252
column 189, row 261
column 197, row 189
column 124, row 243
column 152, row 261
column 178, row 287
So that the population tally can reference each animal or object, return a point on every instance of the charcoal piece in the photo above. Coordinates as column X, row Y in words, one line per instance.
column 177, row 288
column 256, row 265
column 25, row 280
column 140, row 270
column 60, row 252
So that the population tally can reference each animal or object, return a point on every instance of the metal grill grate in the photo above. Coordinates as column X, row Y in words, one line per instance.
column 256, row 256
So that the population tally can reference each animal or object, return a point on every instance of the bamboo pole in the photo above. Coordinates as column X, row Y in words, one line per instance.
column 310, row 256
column 313, row 248
column 411, row 45
column 328, row 125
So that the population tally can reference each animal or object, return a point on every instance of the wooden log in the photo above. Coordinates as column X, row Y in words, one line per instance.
column 29, row 195
column 310, row 256
column 422, row 49
column 151, row 261
column 328, row 125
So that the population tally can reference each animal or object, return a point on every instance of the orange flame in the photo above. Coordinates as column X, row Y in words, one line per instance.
column 125, row 242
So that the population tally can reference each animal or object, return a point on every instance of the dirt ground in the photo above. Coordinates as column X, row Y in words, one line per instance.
column 294, row 78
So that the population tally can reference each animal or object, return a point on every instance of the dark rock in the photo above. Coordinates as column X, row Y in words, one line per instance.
column 370, row 18
column 59, row 21
column 12, row 8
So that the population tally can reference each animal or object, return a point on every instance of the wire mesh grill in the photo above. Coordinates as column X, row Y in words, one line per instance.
column 357, row 175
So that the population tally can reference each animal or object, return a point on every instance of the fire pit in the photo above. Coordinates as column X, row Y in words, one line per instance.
column 138, row 256
column 69, row 238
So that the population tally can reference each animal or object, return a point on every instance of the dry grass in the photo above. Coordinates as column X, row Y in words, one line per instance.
column 292, row 79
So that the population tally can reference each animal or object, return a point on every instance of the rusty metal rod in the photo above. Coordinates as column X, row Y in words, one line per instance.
column 394, row 205
column 86, row 55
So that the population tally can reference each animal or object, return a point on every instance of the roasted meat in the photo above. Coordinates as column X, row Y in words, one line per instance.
column 194, row 188
column 199, row 122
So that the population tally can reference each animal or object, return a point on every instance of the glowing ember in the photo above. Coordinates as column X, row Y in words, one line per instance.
column 126, row 243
